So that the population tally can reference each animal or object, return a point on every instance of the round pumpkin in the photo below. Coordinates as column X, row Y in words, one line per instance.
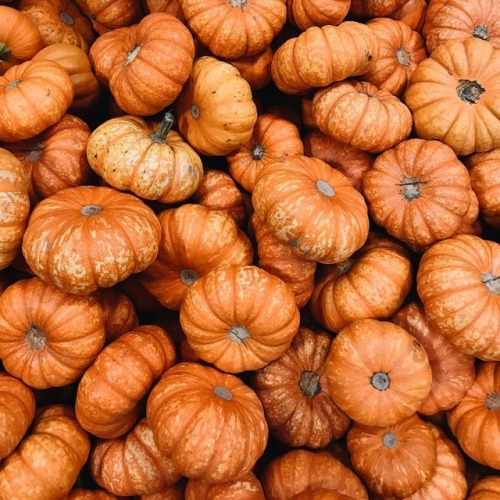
column 307, row 13
column 108, row 236
column 488, row 488
column 111, row 14
column 246, row 488
column 377, row 372
column 209, row 423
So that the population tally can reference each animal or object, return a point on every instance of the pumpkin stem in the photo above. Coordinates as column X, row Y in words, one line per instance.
column 481, row 32
column 35, row 337
column 132, row 54
column 4, row 51
column 238, row 334
column 410, row 187
column 188, row 276
column 66, row 18
column 90, row 210
column 381, row 381
column 223, row 393
column 239, row 4
column 491, row 282
column 257, row 152
column 34, row 152
column 195, row 111
column 309, row 383
column 403, row 56
column 469, row 91
column 390, row 440
column 12, row 84
column 343, row 267
column 325, row 188
column 163, row 129
column 492, row 401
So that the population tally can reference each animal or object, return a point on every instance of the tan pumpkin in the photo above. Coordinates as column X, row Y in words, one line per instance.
column 246, row 488
column 307, row 13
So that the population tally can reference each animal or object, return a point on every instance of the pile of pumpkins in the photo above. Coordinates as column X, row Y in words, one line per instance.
column 249, row 249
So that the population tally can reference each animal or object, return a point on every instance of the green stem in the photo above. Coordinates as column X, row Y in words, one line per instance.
column 4, row 51
column 166, row 124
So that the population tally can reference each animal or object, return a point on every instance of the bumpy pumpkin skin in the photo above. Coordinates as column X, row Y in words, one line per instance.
column 476, row 419
column 48, row 337
column 34, row 95
column 17, row 410
column 14, row 206
column 395, row 380
column 131, row 363
column 321, row 215
column 215, row 109
column 300, row 470
column 293, row 71
column 209, row 423
column 453, row 96
column 486, row 489
column 418, row 191
column 372, row 283
column 108, row 235
column 458, row 283
column 307, row 13
column 57, row 439
column 246, row 488
column 132, row 465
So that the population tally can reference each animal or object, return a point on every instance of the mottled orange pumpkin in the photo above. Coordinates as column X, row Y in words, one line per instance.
column 256, row 70
column 375, row 8
column 433, row 8
column 84, row 494
column 246, row 488
column 412, row 13
column 169, row 6
column 112, row 14
column 307, row 13
column 108, row 235
column 209, row 423
column 488, row 488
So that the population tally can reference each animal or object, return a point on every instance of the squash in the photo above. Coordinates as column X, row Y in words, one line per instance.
column 246, row 488
column 308, row 13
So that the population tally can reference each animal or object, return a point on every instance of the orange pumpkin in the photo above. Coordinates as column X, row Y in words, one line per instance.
column 172, row 7
column 488, row 488
column 412, row 13
column 434, row 6
column 246, row 488
column 209, row 423
column 375, row 8
column 108, row 236
column 111, row 14
column 307, row 13
column 256, row 70
column 84, row 494
column 382, row 363
column 175, row 492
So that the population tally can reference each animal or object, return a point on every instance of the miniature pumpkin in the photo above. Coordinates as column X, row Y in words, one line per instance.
column 172, row 7
column 488, row 488
column 312, row 207
column 48, row 337
column 133, row 361
column 380, row 363
column 215, row 109
column 208, row 240
column 307, row 13
column 458, row 282
column 108, row 236
column 84, row 494
column 375, row 8
column 432, row 9
column 209, row 423
column 219, row 317
column 412, row 13
column 256, row 70
column 246, row 488
column 112, row 14
column 476, row 419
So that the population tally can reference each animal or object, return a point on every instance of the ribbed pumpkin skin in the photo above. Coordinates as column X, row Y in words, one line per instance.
column 412, row 13
column 14, row 206
column 219, row 318
column 175, row 492
column 434, row 6
column 48, row 337
column 109, row 393
column 476, row 418
column 209, row 423
column 452, row 370
column 372, row 283
column 17, row 410
column 132, row 465
column 83, row 494
column 246, row 488
column 375, row 8
column 88, row 237
column 172, row 7
column 194, row 241
column 300, row 470
column 458, row 284
column 307, row 13
column 382, row 363
column 486, row 489
column 55, row 439
column 112, row 14
column 294, row 72
column 312, row 207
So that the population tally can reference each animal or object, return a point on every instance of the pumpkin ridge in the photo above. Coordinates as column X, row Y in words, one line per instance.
column 492, row 401
column 36, row 337
column 469, row 91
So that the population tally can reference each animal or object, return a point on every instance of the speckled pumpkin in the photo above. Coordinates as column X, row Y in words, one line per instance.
column 246, row 488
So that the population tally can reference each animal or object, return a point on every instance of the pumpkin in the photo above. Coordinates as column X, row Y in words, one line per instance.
column 433, row 8
column 215, row 109
column 299, row 470
column 486, row 489
column 452, row 370
column 401, row 49
column 235, row 28
column 219, row 317
column 372, row 283
column 14, row 206
column 418, row 191
column 172, row 7
column 112, row 14
column 20, row 39
column 133, row 361
column 108, row 235
column 209, row 423
column 59, row 21
column 175, row 492
column 84, row 494
column 352, row 162
column 296, row 67
column 412, row 13
column 143, row 301
column 195, row 240
column 375, row 8
column 272, row 140
column 458, row 283
column 17, row 410
column 321, row 494
column 382, row 363
column 279, row 259
column 246, row 488
column 256, row 69
column 294, row 393
column 458, row 21
column 56, row 439
column 132, row 464
column 148, row 159
column 476, row 419
column 361, row 115
column 312, row 207
column 34, row 95
column 76, row 62
column 307, row 13
column 55, row 159
column 484, row 171
column 306, row 111
column 453, row 96
column 396, row 459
